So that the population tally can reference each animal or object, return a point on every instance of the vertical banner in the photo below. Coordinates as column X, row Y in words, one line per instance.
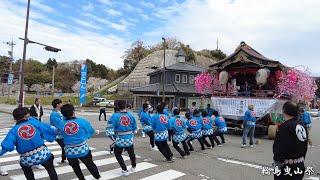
column 83, row 83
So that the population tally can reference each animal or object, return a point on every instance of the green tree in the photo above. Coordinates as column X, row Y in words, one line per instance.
column 50, row 63
column 5, row 64
column 218, row 54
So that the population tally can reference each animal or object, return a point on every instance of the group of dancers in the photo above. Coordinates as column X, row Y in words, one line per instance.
column 163, row 127
column 28, row 136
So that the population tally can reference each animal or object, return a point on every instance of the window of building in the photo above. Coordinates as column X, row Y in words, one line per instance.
column 191, row 79
column 177, row 78
column 184, row 79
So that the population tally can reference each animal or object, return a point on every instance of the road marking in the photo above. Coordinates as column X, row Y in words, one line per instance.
column 313, row 178
column 68, row 169
column 117, row 172
column 240, row 163
column 15, row 158
column 17, row 166
column 168, row 175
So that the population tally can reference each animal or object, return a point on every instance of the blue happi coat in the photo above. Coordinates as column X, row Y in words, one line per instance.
column 160, row 124
column 221, row 124
column 207, row 126
column 124, row 125
column 250, row 118
column 195, row 126
column 55, row 120
column 27, row 136
column 306, row 119
column 75, row 133
column 145, row 120
column 192, row 109
column 210, row 111
column 110, row 128
column 178, row 124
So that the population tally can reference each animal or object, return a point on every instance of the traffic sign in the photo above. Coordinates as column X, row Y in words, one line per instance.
column 10, row 79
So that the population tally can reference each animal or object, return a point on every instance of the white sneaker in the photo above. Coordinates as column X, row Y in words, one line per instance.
column 243, row 145
column 125, row 173
column 155, row 148
column 39, row 167
column 143, row 135
column 3, row 172
column 251, row 146
column 133, row 169
column 312, row 146
column 220, row 145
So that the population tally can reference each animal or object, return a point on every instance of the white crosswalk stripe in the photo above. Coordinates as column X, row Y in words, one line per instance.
column 102, row 159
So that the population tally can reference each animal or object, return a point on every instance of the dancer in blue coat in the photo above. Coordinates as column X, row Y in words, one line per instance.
column 207, row 130
column 55, row 120
column 221, row 125
column 145, row 120
column 110, row 129
column 178, row 125
column 160, row 124
column 194, row 125
column 125, row 126
column 75, row 132
column 28, row 137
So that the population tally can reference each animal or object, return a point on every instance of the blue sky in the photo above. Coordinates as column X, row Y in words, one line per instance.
column 101, row 30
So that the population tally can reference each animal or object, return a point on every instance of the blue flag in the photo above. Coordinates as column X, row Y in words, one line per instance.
column 83, row 83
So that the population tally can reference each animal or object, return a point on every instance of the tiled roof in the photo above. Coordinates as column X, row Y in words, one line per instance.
column 181, row 66
column 181, row 53
column 174, row 88
column 247, row 49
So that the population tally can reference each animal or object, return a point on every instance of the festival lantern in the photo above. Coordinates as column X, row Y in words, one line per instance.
column 223, row 77
column 262, row 76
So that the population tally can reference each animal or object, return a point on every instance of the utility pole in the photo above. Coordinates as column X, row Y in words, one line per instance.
column 24, row 56
column 217, row 44
column 164, row 69
column 53, row 71
column 10, row 53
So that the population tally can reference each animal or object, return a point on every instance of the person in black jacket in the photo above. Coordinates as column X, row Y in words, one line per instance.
column 36, row 110
column 290, row 145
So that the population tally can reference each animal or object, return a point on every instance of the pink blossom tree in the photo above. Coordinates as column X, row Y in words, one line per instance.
column 300, row 85
column 205, row 82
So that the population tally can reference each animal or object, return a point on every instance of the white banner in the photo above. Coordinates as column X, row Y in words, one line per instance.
column 237, row 106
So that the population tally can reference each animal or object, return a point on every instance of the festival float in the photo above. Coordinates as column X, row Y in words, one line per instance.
column 247, row 77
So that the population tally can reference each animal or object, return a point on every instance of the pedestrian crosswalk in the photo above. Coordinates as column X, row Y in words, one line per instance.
column 106, row 163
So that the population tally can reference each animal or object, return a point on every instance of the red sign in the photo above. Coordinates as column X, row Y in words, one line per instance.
column 26, row 131
column 71, row 128
column 178, row 122
column 124, row 120
column 163, row 119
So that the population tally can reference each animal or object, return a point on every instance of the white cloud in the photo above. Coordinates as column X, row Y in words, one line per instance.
column 286, row 30
column 85, row 23
column 147, row 4
column 76, row 44
column 127, row 7
column 88, row 7
column 113, row 12
column 123, row 26
column 105, row 2
column 145, row 17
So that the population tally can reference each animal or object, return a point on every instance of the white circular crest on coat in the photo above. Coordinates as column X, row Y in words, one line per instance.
column 301, row 133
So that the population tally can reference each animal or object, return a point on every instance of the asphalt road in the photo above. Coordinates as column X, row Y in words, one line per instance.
column 220, row 163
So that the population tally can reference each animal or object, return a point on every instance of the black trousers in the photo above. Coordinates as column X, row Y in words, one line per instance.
column 171, row 133
column 113, row 139
column 164, row 149
column 295, row 176
column 88, row 162
column 190, row 145
column 102, row 111
column 61, row 144
column 217, row 133
column 118, row 154
column 151, row 135
column 212, row 139
column 48, row 165
column 185, row 148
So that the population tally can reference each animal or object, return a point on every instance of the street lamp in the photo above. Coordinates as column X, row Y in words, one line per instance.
column 26, row 41
column 164, row 68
